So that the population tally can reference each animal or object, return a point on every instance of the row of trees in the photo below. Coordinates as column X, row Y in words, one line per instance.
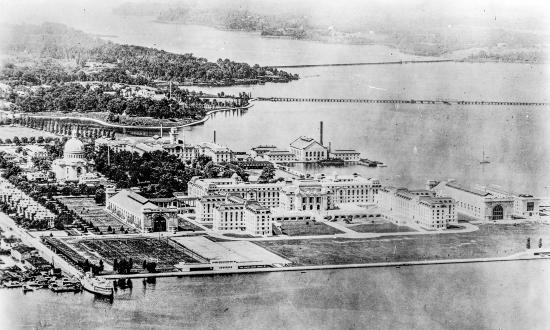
column 79, row 98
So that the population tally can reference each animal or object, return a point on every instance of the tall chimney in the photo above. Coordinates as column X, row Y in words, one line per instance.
column 321, row 133
column 214, row 136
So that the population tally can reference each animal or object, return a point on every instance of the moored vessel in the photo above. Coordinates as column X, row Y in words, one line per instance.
column 96, row 285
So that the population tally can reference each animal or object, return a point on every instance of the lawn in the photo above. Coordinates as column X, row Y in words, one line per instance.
column 380, row 227
column 305, row 229
column 491, row 240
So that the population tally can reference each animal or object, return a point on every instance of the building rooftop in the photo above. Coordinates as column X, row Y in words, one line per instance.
column 303, row 142
column 467, row 189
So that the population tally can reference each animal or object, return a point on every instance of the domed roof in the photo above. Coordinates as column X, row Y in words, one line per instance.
column 73, row 146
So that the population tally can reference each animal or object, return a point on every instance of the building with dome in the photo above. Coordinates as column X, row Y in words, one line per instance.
column 73, row 164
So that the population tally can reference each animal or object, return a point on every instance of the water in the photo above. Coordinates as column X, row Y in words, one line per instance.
column 417, row 142
column 469, row 296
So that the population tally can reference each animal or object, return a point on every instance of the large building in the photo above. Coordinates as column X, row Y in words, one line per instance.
column 306, row 149
column 267, row 194
column 279, row 156
column 139, row 212
column 417, row 207
column 347, row 155
column 238, row 215
column 314, row 196
column 306, row 196
column 178, row 147
column 489, row 203
column 73, row 164
column 218, row 153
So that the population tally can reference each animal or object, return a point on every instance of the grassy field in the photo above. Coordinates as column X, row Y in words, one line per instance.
column 380, row 227
column 491, row 240
column 311, row 228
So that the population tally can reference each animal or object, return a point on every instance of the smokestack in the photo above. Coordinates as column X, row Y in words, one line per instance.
column 321, row 133
column 214, row 136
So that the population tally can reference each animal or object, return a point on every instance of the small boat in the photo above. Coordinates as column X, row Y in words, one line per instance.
column 27, row 288
column 97, row 285
column 12, row 284
column 382, row 165
column 483, row 159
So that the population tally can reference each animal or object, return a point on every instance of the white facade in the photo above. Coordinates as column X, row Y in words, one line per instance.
column 346, row 155
column 241, row 216
column 478, row 203
column 306, row 149
column 139, row 212
column 320, row 194
column 215, row 151
column 420, row 207
column 280, row 156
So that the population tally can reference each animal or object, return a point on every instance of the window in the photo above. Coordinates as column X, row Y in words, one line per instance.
column 530, row 206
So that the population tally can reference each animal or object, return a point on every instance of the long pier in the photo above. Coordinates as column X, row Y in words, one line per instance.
column 399, row 101
column 357, row 63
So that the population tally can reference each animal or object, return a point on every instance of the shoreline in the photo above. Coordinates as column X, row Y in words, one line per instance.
column 6, row 222
column 111, row 125
column 521, row 257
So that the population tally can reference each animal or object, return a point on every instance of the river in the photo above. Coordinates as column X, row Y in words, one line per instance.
column 418, row 142
column 507, row 295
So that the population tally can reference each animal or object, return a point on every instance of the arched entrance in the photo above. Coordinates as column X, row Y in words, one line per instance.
column 498, row 213
column 159, row 223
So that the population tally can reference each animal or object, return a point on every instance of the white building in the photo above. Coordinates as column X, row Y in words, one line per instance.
column 490, row 203
column 136, row 210
column 73, row 164
column 238, row 215
column 178, row 147
column 306, row 149
column 279, row 156
column 347, row 155
column 267, row 194
column 316, row 195
column 215, row 151
column 476, row 203
column 352, row 188
column 420, row 207
column 306, row 196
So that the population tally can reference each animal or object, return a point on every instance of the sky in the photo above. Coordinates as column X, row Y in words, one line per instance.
column 518, row 14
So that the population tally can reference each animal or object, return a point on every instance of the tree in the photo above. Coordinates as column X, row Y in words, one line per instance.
column 268, row 173
column 99, row 196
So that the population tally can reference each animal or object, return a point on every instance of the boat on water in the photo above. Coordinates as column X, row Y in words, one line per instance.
column 483, row 158
column 97, row 285
column 12, row 284
column 27, row 288
column 64, row 285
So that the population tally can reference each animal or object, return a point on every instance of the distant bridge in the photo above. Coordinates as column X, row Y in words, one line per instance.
column 358, row 63
column 397, row 101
